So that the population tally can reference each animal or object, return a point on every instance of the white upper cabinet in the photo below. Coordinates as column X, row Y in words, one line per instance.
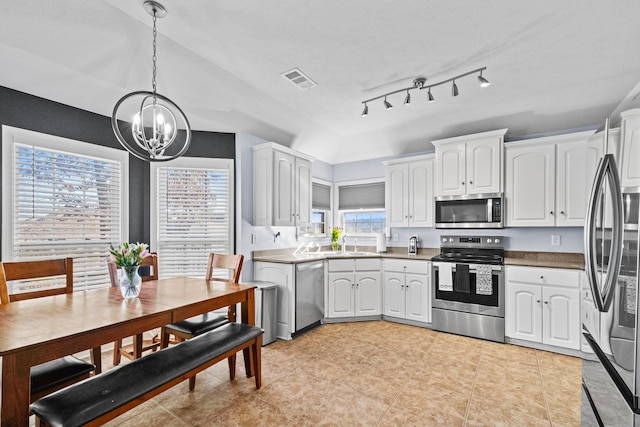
column 409, row 192
column 548, row 180
column 630, row 159
column 470, row 164
column 281, row 186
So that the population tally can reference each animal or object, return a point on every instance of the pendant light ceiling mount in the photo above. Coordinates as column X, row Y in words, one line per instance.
column 420, row 83
column 147, row 124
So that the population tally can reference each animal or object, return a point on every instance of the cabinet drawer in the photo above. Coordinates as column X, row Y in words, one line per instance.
column 365, row 264
column 342, row 264
column 544, row 276
column 407, row 266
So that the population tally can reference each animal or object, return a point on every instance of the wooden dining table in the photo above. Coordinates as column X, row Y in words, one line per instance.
column 39, row 330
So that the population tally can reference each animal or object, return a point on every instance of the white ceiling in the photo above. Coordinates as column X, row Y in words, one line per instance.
column 554, row 65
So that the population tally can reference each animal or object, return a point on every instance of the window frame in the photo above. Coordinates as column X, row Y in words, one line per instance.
column 191, row 163
column 12, row 136
column 339, row 214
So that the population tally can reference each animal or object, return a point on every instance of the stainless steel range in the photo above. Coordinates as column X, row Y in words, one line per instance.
column 468, row 286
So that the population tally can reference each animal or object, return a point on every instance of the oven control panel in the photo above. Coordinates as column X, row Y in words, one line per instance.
column 483, row 242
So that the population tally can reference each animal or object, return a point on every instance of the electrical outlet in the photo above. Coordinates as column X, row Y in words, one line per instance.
column 555, row 240
column 395, row 237
column 254, row 239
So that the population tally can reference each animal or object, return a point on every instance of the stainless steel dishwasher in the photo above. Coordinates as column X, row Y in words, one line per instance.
column 309, row 295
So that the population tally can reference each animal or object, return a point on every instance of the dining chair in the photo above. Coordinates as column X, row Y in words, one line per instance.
column 56, row 374
column 139, row 344
column 200, row 324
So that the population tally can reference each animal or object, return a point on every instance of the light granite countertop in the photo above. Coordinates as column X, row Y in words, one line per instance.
column 568, row 260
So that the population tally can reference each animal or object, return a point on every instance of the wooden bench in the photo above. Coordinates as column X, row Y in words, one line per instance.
column 103, row 397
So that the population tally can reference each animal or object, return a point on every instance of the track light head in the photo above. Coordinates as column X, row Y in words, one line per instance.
column 387, row 104
column 365, row 111
column 407, row 99
column 430, row 97
column 454, row 89
column 483, row 82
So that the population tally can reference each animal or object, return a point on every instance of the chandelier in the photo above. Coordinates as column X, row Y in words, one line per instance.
column 147, row 124
column 420, row 84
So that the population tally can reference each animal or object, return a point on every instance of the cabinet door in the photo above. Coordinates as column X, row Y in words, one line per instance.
column 530, row 185
column 283, row 276
column 523, row 312
column 450, row 161
column 576, row 164
column 262, row 187
column 630, row 161
column 484, row 166
column 283, row 188
column 368, row 297
column 396, row 193
column 341, row 290
column 417, row 291
column 394, row 294
column 561, row 317
column 303, row 185
column 421, row 194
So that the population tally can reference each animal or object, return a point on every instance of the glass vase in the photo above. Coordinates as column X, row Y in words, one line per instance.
column 130, row 282
column 335, row 246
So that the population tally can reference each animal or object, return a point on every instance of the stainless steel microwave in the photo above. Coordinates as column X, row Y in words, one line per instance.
column 470, row 211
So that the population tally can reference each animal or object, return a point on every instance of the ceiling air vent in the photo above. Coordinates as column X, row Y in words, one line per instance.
column 299, row 79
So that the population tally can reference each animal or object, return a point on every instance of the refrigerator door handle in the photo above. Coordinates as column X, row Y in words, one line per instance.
column 607, row 170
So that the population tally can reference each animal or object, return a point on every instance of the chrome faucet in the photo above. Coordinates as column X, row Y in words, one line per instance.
column 355, row 245
column 344, row 244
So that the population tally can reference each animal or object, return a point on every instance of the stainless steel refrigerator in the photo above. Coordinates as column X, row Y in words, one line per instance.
column 611, row 374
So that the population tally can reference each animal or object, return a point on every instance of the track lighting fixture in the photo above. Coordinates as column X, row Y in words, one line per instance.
column 419, row 83
column 407, row 99
column 430, row 97
column 483, row 82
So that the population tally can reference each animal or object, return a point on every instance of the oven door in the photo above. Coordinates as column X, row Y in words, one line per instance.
column 469, row 289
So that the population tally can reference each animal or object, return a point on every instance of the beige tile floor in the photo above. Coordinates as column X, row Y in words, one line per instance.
column 378, row 374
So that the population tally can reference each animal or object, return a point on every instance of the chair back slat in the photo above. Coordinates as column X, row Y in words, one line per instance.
column 4, row 291
column 225, row 261
column 148, row 261
column 24, row 270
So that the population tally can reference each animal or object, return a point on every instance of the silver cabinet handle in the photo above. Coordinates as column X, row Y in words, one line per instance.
column 541, row 277
column 551, row 213
column 538, row 301
column 462, row 183
column 470, row 182
column 562, row 212
column 546, row 302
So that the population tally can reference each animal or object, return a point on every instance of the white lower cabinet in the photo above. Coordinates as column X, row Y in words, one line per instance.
column 543, row 306
column 354, row 288
column 284, row 276
column 407, row 289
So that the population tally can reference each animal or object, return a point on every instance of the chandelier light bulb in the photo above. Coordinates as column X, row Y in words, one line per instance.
column 387, row 104
column 407, row 99
column 430, row 96
column 454, row 89
column 365, row 111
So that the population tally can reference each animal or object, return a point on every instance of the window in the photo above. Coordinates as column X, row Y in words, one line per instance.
column 192, row 213
column 361, row 207
column 62, row 198
column 321, row 207
column 364, row 222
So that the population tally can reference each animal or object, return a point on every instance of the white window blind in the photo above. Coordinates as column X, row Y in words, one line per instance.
column 194, row 214
column 62, row 204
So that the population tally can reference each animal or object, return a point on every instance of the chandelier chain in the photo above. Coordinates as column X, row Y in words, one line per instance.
column 155, row 57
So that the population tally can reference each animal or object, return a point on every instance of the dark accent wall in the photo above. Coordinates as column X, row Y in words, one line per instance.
column 21, row 110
